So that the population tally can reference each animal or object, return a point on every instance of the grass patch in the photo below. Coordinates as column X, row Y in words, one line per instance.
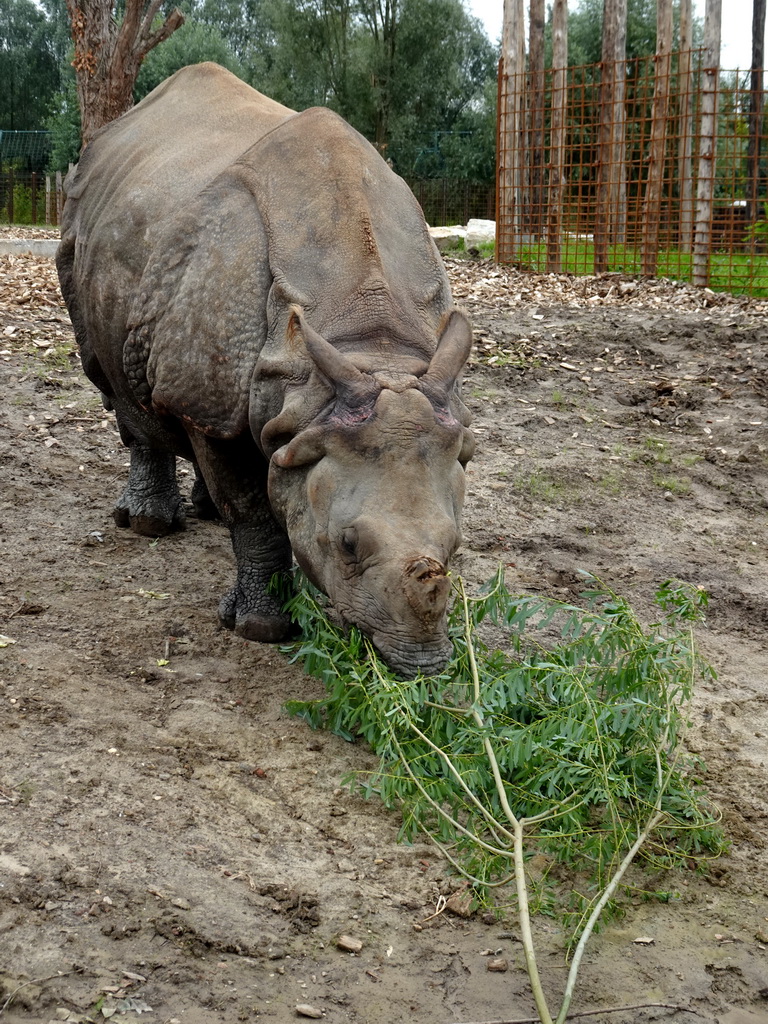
column 728, row 272
column 612, row 483
column 541, row 486
column 673, row 484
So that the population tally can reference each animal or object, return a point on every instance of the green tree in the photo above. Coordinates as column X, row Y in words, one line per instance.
column 193, row 43
column 64, row 124
column 585, row 24
column 444, row 88
column 29, row 71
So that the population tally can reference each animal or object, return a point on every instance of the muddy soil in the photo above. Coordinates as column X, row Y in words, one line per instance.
column 174, row 847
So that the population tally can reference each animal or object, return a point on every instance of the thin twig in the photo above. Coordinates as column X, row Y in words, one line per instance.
column 593, row 1013
column 523, row 913
column 38, row 981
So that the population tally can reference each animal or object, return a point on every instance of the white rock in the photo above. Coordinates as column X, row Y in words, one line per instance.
column 448, row 238
column 480, row 231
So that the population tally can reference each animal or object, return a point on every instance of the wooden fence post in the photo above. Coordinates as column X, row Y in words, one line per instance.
column 708, row 145
column 685, row 144
column 510, row 154
column 658, row 147
column 611, row 212
column 59, row 197
column 557, row 136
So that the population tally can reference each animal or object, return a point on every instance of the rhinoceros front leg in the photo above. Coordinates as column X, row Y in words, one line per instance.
column 236, row 474
column 151, row 504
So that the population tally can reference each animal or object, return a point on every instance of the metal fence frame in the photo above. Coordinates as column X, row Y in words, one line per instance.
column 651, row 223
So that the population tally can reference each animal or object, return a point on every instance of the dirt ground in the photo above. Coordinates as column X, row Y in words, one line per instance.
column 175, row 848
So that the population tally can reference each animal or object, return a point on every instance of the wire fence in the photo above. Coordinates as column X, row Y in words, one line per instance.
column 447, row 201
column 640, row 181
column 27, row 197
column 31, row 198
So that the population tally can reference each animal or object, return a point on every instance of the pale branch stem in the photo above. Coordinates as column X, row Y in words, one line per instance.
column 499, row 852
column 513, row 820
column 463, row 871
column 523, row 910
column 526, row 935
column 457, row 775
column 594, row 1013
column 607, row 893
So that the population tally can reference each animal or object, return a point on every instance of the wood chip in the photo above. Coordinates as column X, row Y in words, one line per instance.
column 349, row 944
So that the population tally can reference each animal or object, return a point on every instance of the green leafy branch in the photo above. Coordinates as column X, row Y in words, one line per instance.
column 573, row 749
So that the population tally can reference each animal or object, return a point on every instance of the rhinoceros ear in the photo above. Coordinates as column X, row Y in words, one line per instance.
column 305, row 448
column 453, row 347
column 467, row 446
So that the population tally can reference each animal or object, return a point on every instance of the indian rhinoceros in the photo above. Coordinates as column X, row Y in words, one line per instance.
column 255, row 290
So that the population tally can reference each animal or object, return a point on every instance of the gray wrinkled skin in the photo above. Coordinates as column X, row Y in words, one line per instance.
column 255, row 290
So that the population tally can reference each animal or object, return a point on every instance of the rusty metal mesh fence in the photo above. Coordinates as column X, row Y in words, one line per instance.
column 30, row 198
column 624, row 187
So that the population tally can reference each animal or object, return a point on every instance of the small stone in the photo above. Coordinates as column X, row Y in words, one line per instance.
column 305, row 1010
column 349, row 944
column 498, row 964
column 460, row 903
column 669, row 496
column 345, row 866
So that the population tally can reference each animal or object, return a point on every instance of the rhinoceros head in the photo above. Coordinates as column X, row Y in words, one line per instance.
column 371, row 494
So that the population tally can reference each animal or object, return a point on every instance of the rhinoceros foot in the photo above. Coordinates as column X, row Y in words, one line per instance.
column 254, row 616
column 151, row 504
column 149, row 526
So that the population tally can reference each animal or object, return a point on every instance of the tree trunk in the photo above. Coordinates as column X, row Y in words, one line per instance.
column 536, row 91
column 382, row 19
column 611, row 212
column 708, row 145
column 658, row 145
column 755, row 111
column 510, row 156
column 108, row 55
column 557, row 137
column 685, row 150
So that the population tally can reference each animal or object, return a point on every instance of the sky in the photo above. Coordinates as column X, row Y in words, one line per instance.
column 736, row 46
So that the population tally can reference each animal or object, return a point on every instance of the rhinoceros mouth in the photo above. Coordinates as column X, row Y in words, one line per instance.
column 410, row 659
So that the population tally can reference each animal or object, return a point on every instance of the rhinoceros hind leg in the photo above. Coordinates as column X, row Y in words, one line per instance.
column 202, row 501
column 151, row 504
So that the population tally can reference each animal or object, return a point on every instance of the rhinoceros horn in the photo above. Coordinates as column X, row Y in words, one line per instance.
column 453, row 348
column 356, row 392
